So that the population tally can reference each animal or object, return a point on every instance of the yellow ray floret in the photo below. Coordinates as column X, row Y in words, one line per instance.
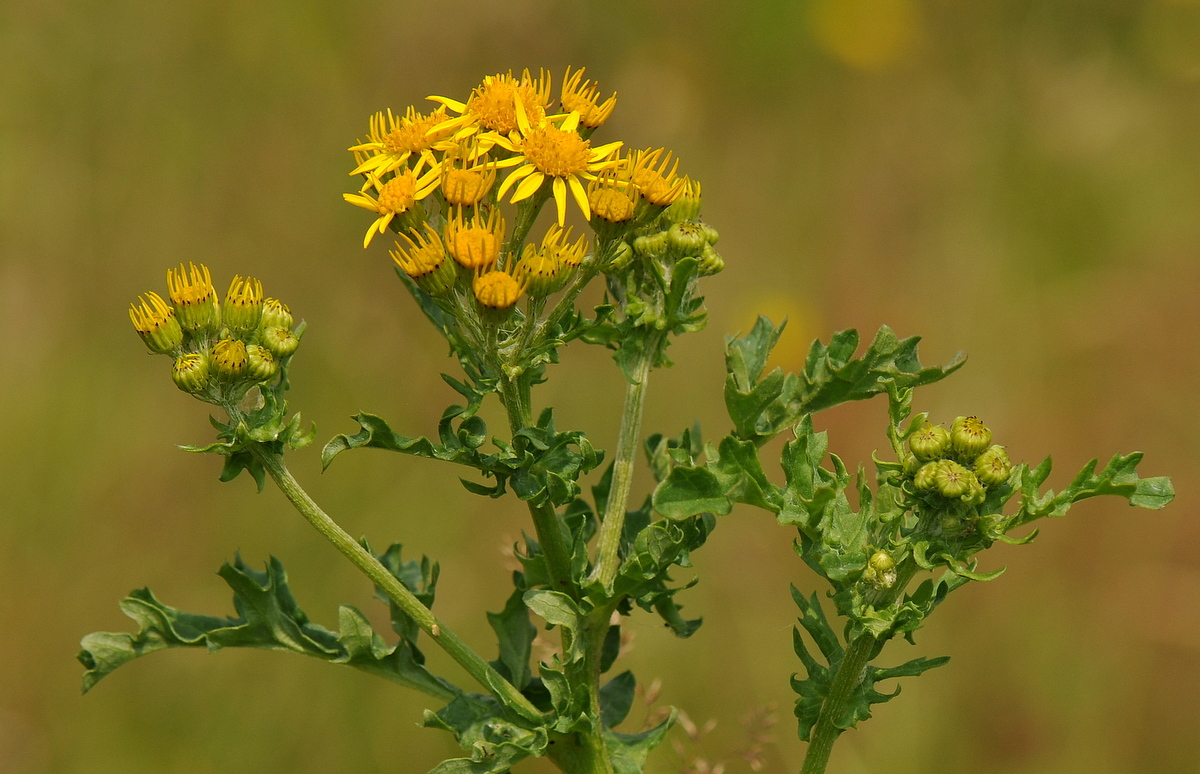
column 155, row 322
column 612, row 198
column 191, row 291
column 243, row 304
column 475, row 243
column 396, row 196
column 654, row 175
column 557, row 153
column 395, row 140
column 467, row 175
column 583, row 97
column 492, row 105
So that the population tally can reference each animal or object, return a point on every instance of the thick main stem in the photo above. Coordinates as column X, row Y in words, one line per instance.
column 450, row 642
column 846, row 680
column 607, row 557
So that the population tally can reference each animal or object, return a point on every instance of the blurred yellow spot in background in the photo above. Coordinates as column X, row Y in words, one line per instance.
column 803, row 325
column 867, row 34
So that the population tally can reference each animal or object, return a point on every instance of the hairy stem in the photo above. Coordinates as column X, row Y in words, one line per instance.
column 450, row 642
column 607, row 559
column 846, row 680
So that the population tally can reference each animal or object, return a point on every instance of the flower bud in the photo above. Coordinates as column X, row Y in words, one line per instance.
column 686, row 238
column 930, row 442
column 280, row 342
column 275, row 314
column 952, row 480
column 881, row 570
column 496, row 292
column 622, row 256
column 651, row 245
column 993, row 466
column 687, row 206
column 710, row 261
column 975, row 493
column 710, row 234
column 155, row 322
column 969, row 436
column 475, row 243
column 926, row 477
column 190, row 373
column 191, row 291
column 541, row 271
column 243, row 305
column 613, row 201
column 424, row 260
column 260, row 364
column 654, row 176
column 229, row 359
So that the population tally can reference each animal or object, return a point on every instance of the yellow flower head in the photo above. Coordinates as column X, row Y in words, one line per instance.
column 497, row 292
column 190, row 373
column 583, row 97
column 191, row 291
column 155, row 322
column 229, row 359
column 475, row 244
column 392, row 142
column 611, row 198
column 557, row 153
column 423, row 257
column 655, row 176
column 243, row 305
column 493, row 103
column 275, row 314
column 397, row 196
column 467, row 176
column 569, row 254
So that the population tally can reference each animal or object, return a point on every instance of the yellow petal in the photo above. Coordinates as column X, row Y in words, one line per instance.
column 580, row 196
column 453, row 104
column 529, row 186
column 604, row 151
column 560, row 198
column 571, row 123
column 514, row 177
column 366, row 202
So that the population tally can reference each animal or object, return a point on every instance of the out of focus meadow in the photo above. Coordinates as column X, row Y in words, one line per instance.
column 1018, row 179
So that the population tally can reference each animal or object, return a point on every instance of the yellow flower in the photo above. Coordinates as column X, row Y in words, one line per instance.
column 396, row 196
column 557, row 153
column 493, row 103
column 394, row 141
column 654, row 176
column 424, row 260
column 582, row 97
column 229, row 359
column 475, row 244
column 611, row 198
column 191, row 291
column 155, row 322
column 243, row 305
column 497, row 292
column 467, row 176
column 544, row 268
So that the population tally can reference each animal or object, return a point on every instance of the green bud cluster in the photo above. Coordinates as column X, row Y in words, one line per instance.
column 958, row 464
column 220, row 350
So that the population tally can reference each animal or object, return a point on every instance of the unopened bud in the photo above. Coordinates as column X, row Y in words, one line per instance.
column 710, row 261
column 243, row 305
column 687, row 238
column 190, row 373
column 651, row 245
column 281, row 342
column 622, row 256
column 275, row 314
column 191, row 291
column 260, row 364
column 881, row 570
column 496, row 292
column 969, row 436
column 952, row 480
column 926, row 477
column 229, row 359
column 930, row 442
column 993, row 466
column 156, row 323
column 687, row 206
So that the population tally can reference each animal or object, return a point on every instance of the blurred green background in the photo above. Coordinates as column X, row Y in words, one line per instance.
column 1019, row 179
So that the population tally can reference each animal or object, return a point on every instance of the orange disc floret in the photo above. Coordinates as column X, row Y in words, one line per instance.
column 611, row 198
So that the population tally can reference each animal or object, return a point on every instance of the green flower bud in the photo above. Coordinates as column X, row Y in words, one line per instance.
column 156, row 323
column 260, row 365
column 993, row 466
column 710, row 261
column 423, row 258
column 686, row 238
column 930, row 442
column 952, row 480
column 651, row 245
column 969, row 436
column 229, row 359
column 243, row 305
column 975, row 492
column 622, row 256
column 275, row 314
column 190, row 373
column 710, row 234
column 280, row 342
column 881, row 570
column 687, row 206
column 191, row 291
column 926, row 477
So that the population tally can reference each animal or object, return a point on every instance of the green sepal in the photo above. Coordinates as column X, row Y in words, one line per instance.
column 267, row 617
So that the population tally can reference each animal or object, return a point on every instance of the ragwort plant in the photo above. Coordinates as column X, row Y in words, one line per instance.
column 462, row 187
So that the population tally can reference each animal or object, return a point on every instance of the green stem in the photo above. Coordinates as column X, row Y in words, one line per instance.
column 450, row 642
column 846, row 680
column 607, row 558
column 552, row 533
column 527, row 214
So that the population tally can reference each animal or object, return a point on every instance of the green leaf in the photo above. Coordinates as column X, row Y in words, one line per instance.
column 690, row 491
column 1119, row 478
column 495, row 743
column 516, row 634
column 267, row 617
column 558, row 609
column 629, row 751
column 616, row 699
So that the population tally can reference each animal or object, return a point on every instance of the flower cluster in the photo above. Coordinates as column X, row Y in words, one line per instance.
column 220, row 349
column 438, row 179
column 957, row 464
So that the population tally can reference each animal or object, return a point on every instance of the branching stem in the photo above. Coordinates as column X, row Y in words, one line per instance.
column 450, row 642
